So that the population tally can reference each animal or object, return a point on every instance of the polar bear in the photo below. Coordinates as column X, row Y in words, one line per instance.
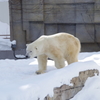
column 59, row 47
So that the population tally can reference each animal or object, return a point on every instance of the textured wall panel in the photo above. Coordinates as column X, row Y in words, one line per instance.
column 97, row 30
column 32, row 2
column 85, row 13
column 36, row 30
column 85, row 33
column 50, row 29
column 67, row 28
column 59, row 14
column 32, row 12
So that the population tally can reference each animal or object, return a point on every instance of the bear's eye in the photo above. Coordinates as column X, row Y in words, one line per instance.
column 30, row 51
column 35, row 48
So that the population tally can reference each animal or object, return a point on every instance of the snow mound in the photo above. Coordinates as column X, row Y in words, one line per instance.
column 18, row 80
column 5, row 44
column 91, row 91
column 4, row 29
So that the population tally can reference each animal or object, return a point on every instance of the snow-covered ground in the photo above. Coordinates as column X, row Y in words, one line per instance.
column 4, row 26
column 18, row 80
column 5, row 43
column 4, row 29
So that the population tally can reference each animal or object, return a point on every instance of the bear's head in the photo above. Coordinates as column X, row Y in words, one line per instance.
column 36, row 48
column 31, row 50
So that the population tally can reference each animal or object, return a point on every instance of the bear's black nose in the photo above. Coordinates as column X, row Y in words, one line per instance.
column 27, row 56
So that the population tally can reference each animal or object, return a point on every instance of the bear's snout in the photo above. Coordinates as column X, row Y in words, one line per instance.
column 27, row 55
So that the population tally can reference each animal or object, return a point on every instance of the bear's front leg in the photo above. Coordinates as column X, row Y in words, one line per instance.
column 42, row 64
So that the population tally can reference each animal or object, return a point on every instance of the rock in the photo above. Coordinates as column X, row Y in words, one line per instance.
column 66, row 92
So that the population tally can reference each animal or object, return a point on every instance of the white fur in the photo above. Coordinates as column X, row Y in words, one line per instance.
column 59, row 47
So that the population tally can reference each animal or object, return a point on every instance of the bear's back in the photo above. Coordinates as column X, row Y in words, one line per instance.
column 61, row 37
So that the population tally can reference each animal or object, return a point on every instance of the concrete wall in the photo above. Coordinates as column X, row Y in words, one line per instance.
column 31, row 19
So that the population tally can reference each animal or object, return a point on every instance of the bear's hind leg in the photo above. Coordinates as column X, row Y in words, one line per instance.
column 59, row 63
column 42, row 64
column 57, row 56
column 71, row 59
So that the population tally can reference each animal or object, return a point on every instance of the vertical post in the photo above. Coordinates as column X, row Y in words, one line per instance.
column 43, row 3
column 16, row 23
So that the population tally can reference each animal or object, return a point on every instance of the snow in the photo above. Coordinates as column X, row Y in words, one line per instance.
column 3, row 0
column 4, row 29
column 18, row 80
column 5, row 43
column 13, row 42
column 91, row 91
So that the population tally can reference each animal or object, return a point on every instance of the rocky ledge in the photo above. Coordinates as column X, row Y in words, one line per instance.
column 66, row 92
